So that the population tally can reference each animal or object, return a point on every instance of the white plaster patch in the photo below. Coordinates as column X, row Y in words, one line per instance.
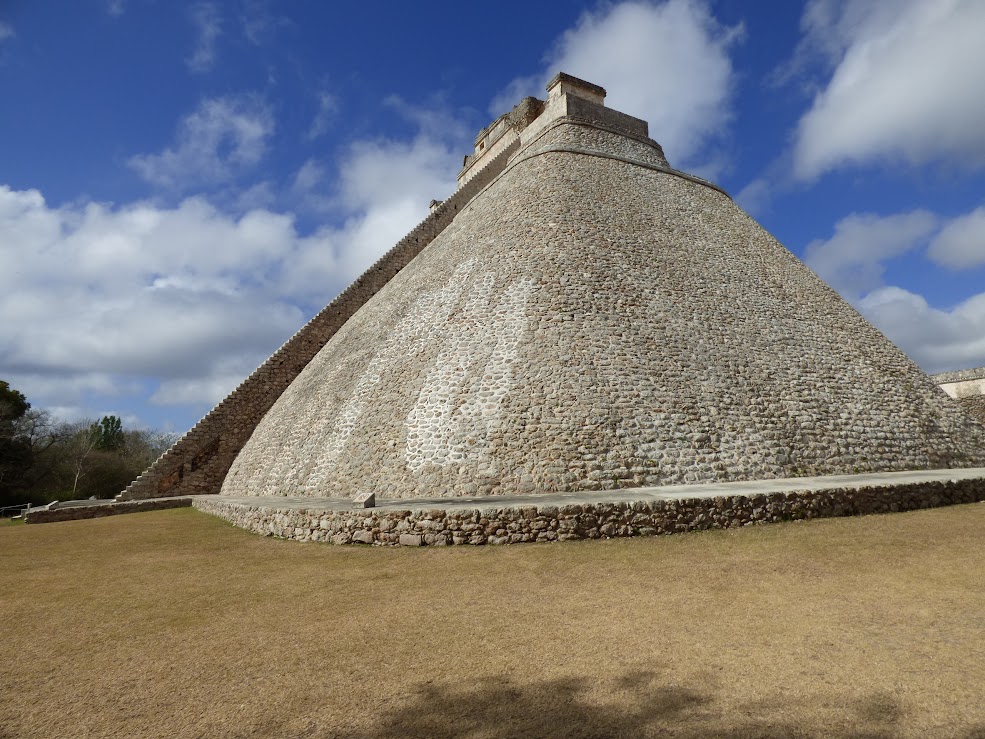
column 432, row 307
column 458, row 406
column 304, row 447
column 965, row 388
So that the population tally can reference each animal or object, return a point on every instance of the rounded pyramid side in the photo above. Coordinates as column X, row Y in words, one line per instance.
column 592, row 321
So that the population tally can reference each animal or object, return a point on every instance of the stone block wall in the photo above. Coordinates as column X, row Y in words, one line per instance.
column 76, row 513
column 494, row 524
column 199, row 460
column 946, row 378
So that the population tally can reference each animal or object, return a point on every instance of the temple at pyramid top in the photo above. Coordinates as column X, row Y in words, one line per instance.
column 577, row 316
column 567, row 97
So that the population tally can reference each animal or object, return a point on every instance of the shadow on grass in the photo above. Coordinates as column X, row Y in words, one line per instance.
column 638, row 706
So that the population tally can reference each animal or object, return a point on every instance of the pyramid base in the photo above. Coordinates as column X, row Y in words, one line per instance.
column 618, row 513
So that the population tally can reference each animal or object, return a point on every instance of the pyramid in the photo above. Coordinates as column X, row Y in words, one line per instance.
column 578, row 316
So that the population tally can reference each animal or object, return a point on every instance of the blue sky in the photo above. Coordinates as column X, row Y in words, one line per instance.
column 182, row 185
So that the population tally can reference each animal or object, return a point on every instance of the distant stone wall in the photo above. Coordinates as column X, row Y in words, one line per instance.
column 199, row 460
column 967, row 387
column 531, row 523
column 943, row 378
column 80, row 512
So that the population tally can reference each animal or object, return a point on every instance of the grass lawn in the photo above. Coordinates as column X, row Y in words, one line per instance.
column 175, row 624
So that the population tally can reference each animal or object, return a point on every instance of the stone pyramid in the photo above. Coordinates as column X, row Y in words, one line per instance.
column 578, row 316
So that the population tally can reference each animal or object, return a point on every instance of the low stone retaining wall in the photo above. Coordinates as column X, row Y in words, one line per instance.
column 74, row 513
column 515, row 524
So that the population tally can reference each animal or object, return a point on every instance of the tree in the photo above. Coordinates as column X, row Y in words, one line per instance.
column 15, row 452
column 43, row 460
column 108, row 433
column 79, row 454
column 13, row 404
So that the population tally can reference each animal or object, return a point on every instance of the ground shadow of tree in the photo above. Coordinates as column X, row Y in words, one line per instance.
column 641, row 705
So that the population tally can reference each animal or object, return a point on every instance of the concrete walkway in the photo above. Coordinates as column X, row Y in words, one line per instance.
column 626, row 495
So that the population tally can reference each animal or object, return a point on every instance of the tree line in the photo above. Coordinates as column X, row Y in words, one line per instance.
column 43, row 459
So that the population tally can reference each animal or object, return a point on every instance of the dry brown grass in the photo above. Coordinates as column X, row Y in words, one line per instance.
column 176, row 624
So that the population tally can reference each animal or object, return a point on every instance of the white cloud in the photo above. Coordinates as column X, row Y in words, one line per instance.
column 755, row 197
column 222, row 138
column 328, row 106
column 208, row 389
column 116, row 8
column 258, row 196
column 384, row 172
column 904, row 85
column 181, row 303
column 208, row 25
column 961, row 243
column 667, row 63
column 851, row 261
column 258, row 23
column 938, row 340
column 99, row 296
column 383, row 189
column 308, row 176
column 6, row 31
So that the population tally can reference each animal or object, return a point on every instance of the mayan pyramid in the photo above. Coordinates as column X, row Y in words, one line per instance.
column 578, row 316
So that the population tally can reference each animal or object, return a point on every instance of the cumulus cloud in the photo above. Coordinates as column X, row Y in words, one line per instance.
column 223, row 137
column 902, row 87
column 938, row 340
column 382, row 190
column 667, row 63
column 208, row 26
column 961, row 243
column 137, row 291
column 852, row 260
column 181, row 303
